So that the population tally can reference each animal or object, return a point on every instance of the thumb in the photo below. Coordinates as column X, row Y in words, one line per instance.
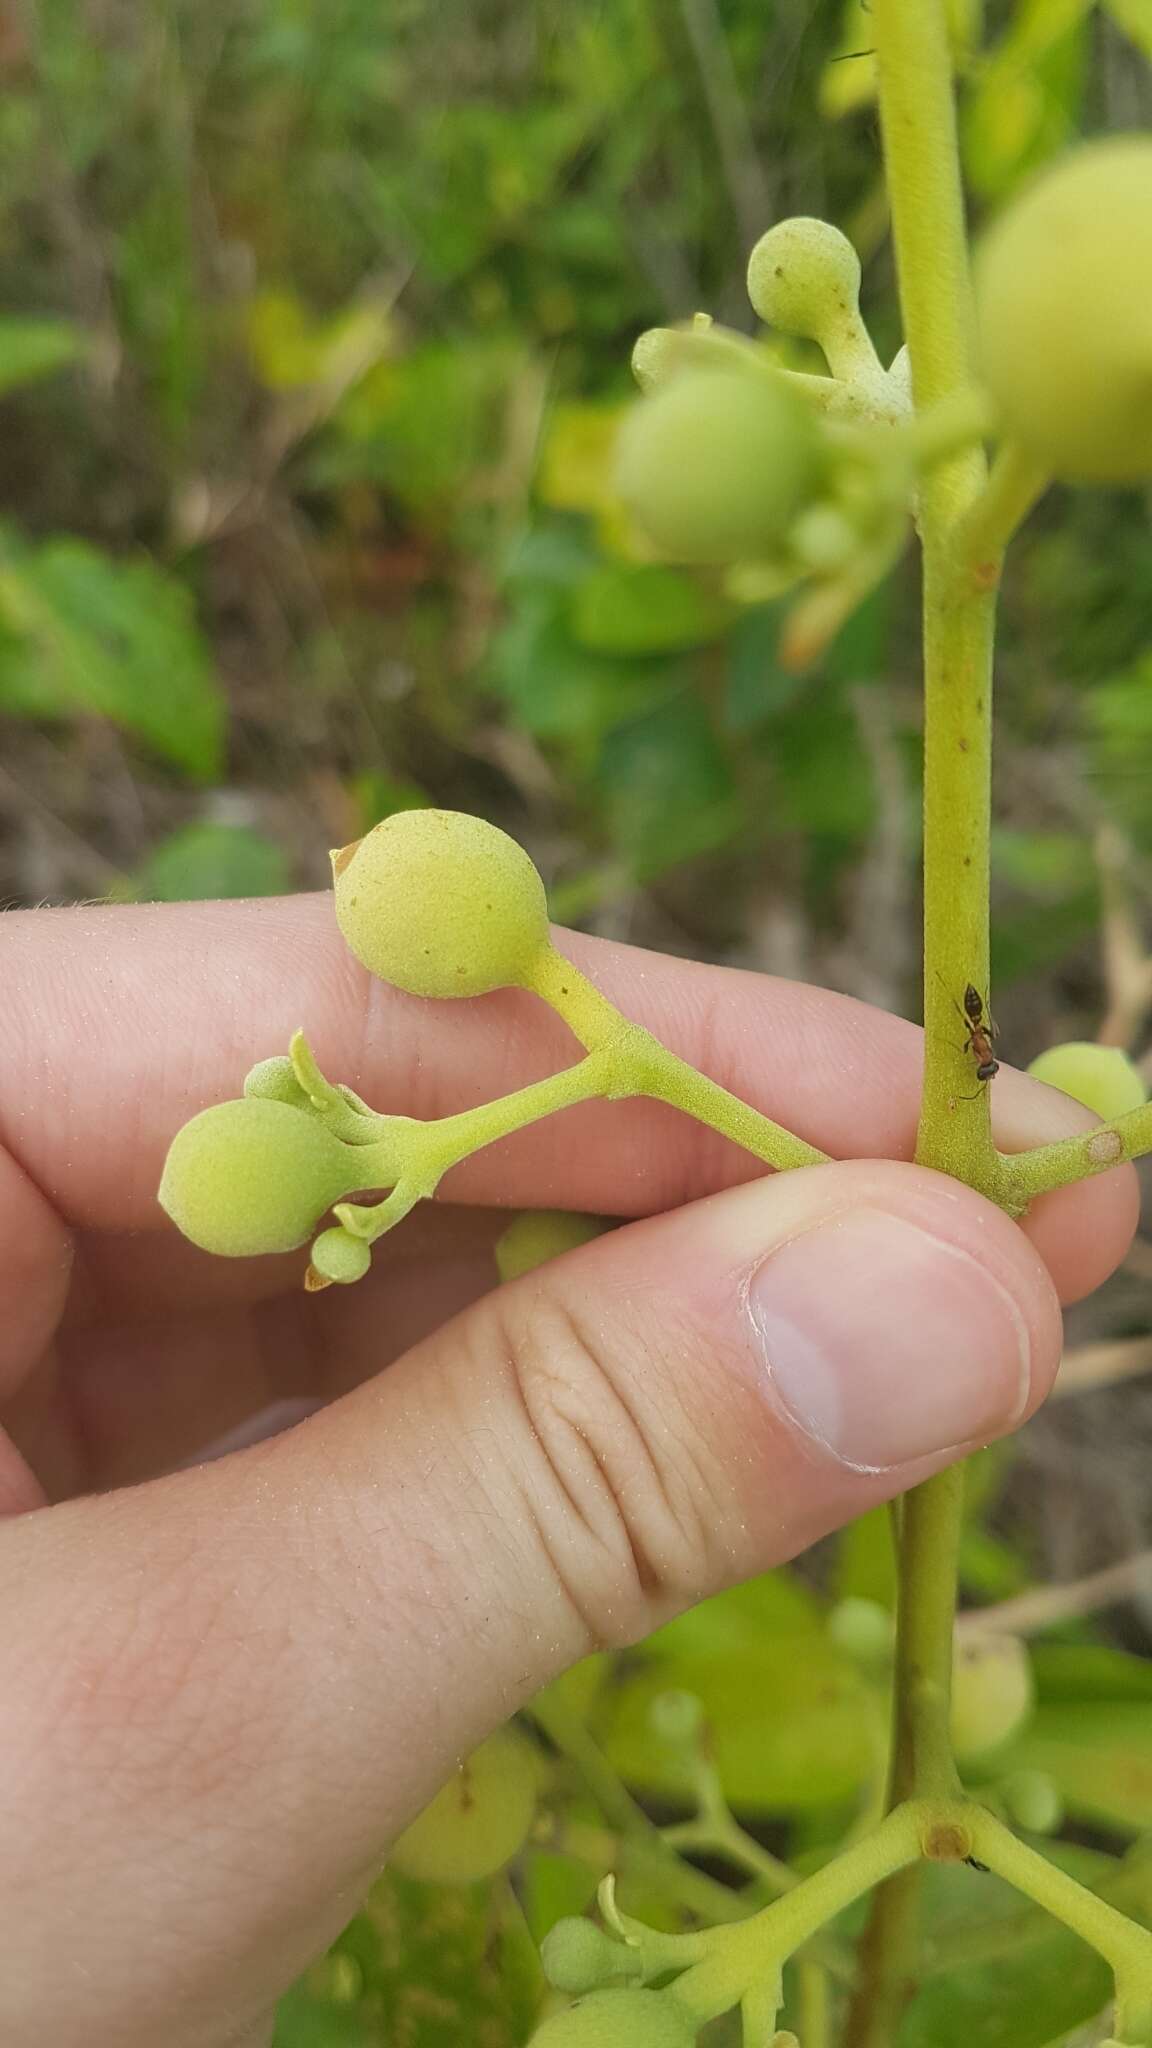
column 277, row 1659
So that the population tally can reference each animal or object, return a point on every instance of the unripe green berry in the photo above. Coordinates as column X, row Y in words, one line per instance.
column 578, row 1956
column 992, row 1692
column 618, row 2019
column 441, row 904
column 539, row 1235
column 677, row 1717
column 714, row 465
column 1033, row 1800
column 478, row 1820
column 253, row 1176
column 275, row 1081
column 339, row 1257
column 864, row 1630
column 804, row 277
column 1064, row 305
column 1100, row 1076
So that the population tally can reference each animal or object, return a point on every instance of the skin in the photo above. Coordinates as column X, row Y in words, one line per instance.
column 230, row 1684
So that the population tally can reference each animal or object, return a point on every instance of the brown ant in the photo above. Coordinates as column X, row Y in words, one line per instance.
column 981, row 1032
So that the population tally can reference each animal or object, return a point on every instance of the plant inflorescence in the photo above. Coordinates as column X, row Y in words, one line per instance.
column 782, row 483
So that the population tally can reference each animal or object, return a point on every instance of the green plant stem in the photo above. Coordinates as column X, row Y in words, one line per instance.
column 1027, row 1174
column 922, row 163
column 1126, row 1947
column 1013, row 488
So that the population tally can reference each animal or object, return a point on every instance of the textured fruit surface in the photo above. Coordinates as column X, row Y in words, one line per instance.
column 992, row 1692
column 1100, row 1076
column 577, row 1956
column 478, row 1820
column 441, row 904
column 253, row 1176
column 714, row 465
column 1064, row 304
column 617, row 2019
column 804, row 276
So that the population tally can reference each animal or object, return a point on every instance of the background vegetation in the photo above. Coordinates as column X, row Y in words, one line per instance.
column 315, row 319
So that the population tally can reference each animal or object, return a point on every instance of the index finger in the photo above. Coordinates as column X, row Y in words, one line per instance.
column 122, row 1022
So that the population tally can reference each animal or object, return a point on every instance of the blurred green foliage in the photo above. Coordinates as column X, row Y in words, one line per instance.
column 315, row 318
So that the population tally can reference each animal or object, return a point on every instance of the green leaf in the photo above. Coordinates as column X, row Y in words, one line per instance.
column 1041, row 1984
column 792, row 1724
column 1135, row 18
column 561, row 692
column 1090, row 1671
column 30, row 349
column 756, row 686
column 82, row 631
column 202, row 862
column 667, row 786
column 619, row 609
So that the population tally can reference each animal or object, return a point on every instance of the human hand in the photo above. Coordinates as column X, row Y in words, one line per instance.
column 229, row 1686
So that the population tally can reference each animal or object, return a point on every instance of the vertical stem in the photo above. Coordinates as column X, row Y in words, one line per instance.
column 923, row 175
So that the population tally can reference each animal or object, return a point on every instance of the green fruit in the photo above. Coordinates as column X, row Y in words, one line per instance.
column 580, row 1957
column 1100, row 1076
column 254, row 1176
column 478, row 1820
column 441, row 904
column 539, row 1235
column 992, row 1693
column 864, row 1630
column 715, row 464
column 1033, row 1800
column 1064, row 305
column 804, row 278
column 338, row 1256
column 618, row 2019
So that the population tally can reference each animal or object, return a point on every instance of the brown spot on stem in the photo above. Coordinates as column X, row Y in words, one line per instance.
column 1105, row 1148
column 947, row 1843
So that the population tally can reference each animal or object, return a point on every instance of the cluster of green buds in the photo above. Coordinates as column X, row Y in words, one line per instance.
column 780, row 480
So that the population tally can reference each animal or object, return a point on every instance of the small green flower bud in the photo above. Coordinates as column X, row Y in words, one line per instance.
column 337, row 1256
column 618, row 2019
column 275, row 1080
column 1100, row 1076
column 254, row 1176
column 714, row 465
column 677, row 1717
column 441, row 904
column 804, row 278
column 992, row 1692
column 478, row 1820
column 577, row 1956
column 1064, row 305
column 1033, row 1800
column 864, row 1630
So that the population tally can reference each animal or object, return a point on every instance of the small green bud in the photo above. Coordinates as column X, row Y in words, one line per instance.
column 441, row 904
column 715, row 464
column 339, row 1257
column 1100, row 1076
column 804, row 278
column 275, row 1080
column 677, row 1717
column 1064, row 306
column 618, row 2019
column 254, row 1176
column 478, row 1820
column 993, row 1692
column 539, row 1235
column 864, row 1630
column 578, row 1956
column 1033, row 1800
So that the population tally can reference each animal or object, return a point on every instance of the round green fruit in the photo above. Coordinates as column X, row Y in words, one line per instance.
column 993, row 1693
column 1100, row 1076
column 804, row 277
column 714, row 465
column 339, row 1257
column 253, row 1176
column 1064, row 305
column 539, row 1235
column 441, row 904
column 577, row 1956
column 478, row 1820
column 618, row 2019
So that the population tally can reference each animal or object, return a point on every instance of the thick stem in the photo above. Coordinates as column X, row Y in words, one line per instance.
column 922, row 163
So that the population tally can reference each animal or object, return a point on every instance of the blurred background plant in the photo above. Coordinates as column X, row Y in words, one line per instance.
column 315, row 320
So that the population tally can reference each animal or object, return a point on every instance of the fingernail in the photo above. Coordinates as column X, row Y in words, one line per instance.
column 887, row 1344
